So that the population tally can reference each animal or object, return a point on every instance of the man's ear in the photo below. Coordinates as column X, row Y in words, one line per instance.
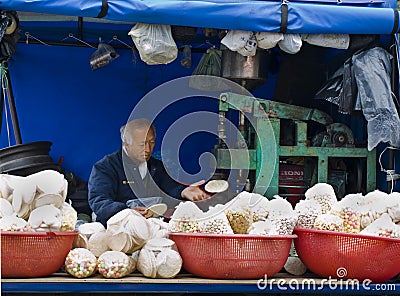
column 125, row 148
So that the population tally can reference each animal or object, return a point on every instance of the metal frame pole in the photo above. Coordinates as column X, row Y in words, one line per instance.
column 13, row 110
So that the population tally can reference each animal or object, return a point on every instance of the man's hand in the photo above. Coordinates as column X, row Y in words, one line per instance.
column 143, row 211
column 194, row 192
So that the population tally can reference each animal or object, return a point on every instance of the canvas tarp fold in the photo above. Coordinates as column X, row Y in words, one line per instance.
column 311, row 16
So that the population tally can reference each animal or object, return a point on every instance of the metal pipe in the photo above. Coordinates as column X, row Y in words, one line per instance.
column 116, row 46
column 80, row 28
column 13, row 110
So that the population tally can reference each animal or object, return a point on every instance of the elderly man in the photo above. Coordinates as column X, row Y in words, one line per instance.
column 132, row 174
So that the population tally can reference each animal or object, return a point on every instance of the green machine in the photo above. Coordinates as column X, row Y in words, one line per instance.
column 260, row 151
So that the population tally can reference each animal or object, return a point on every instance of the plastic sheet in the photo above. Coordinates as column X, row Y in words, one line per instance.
column 372, row 71
column 363, row 83
column 154, row 43
column 144, row 202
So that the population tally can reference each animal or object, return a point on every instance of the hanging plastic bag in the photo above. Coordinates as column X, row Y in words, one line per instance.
column 104, row 54
column 209, row 67
column 154, row 43
column 243, row 42
column 372, row 70
column 267, row 40
column 186, row 60
column 339, row 41
column 291, row 43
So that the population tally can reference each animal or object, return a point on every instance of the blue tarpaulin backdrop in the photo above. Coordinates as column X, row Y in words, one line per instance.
column 60, row 99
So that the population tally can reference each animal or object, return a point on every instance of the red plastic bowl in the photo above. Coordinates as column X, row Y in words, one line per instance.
column 34, row 254
column 238, row 256
column 348, row 256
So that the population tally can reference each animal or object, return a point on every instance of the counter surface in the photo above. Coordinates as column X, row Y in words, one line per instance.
column 281, row 283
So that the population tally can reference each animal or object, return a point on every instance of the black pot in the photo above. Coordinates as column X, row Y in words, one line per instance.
column 249, row 72
column 26, row 159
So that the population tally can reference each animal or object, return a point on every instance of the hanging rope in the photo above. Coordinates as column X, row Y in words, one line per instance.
column 4, row 85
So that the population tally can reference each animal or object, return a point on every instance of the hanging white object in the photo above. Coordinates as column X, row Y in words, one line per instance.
column 243, row 42
column 267, row 40
column 338, row 41
column 291, row 43
column 154, row 43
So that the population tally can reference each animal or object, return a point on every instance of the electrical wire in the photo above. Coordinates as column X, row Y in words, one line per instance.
column 390, row 173
column 4, row 83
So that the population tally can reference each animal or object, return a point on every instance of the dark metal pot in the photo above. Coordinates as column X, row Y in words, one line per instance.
column 249, row 72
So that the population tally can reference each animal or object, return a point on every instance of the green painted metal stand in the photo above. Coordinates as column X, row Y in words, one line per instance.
column 265, row 117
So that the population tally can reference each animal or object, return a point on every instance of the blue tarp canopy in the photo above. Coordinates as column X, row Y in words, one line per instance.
column 309, row 16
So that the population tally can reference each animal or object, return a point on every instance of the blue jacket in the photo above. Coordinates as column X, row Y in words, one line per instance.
column 115, row 179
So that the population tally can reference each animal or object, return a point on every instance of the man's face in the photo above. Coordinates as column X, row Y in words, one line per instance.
column 143, row 142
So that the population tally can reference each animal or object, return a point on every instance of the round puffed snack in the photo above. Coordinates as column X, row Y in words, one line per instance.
column 216, row 186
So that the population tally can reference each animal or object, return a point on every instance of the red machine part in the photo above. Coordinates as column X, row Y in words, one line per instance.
column 292, row 185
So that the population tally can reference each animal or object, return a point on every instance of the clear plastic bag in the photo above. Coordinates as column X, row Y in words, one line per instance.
column 239, row 214
column 349, row 210
column 104, row 54
column 186, row 60
column 324, row 194
column 144, row 202
column 154, row 43
column 186, row 218
column 284, row 224
column 383, row 226
column 259, row 207
column 215, row 221
column 372, row 71
column 159, row 258
column 114, row 264
column 308, row 211
column 80, row 263
column 329, row 222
